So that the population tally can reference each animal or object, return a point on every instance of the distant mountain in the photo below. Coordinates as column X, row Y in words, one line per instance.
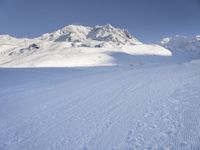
column 92, row 36
column 188, row 47
column 77, row 46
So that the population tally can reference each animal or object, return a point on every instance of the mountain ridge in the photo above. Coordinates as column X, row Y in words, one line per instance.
column 183, row 46
column 83, row 46
column 104, row 33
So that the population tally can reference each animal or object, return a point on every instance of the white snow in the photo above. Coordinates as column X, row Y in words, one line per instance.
column 183, row 47
column 143, row 107
column 115, row 94
column 76, row 46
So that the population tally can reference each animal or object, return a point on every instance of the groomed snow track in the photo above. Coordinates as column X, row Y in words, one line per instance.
column 114, row 108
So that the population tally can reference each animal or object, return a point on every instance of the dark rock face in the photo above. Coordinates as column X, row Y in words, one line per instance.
column 33, row 46
column 17, row 51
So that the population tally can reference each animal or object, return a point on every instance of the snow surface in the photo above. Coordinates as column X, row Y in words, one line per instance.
column 142, row 107
column 116, row 94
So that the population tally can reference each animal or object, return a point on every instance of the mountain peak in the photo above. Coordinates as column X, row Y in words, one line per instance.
column 106, row 26
column 99, row 34
column 73, row 27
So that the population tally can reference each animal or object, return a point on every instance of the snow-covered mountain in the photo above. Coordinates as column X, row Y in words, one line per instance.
column 91, row 36
column 74, row 46
column 188, row 47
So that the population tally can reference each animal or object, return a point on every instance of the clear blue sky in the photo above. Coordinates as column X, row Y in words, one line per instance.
column 147, row 20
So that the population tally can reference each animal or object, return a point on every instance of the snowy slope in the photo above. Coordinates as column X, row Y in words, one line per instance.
column 183, row 47
column 105, row 108
column 75, row 46
column 139, row 97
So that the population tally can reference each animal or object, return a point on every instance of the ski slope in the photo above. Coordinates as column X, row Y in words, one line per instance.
column 96, row 88
column 111, row 108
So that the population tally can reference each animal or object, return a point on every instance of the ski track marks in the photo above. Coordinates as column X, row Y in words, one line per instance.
column 112, row 108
